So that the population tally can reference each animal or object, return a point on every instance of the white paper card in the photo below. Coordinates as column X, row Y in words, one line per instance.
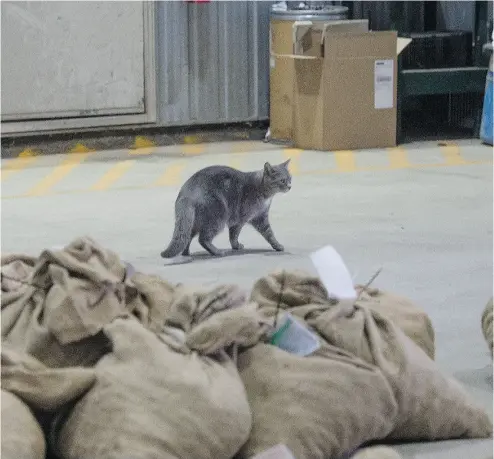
column 383, row 84
column 333, row 273
column 276, row 452
column 272, row 62
column 294, row 337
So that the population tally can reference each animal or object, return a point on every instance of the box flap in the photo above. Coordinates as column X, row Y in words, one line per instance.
column 349, row 26
column 401, row 44
column 308, row 37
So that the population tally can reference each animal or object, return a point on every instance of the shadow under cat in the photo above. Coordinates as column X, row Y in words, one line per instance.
column 205, row 256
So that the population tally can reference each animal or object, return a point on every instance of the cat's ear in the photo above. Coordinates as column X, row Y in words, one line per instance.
column 268, row 169
column 286, row 163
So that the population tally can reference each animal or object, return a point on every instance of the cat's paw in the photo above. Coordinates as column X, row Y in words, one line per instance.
column 220, row 253
column 238, row 246
column 278, row 247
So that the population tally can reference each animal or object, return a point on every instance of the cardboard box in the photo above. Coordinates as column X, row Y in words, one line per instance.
column 345, row 97
column 282, row 65
column 281, row 83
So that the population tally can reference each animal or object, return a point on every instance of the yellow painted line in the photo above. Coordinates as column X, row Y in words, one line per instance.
column 398, row 158
column 241, row 135
column 191, row 150
column 58, row 173
column 345, row 161
column 452, row 155
column 24, row 159
column 293, row 154
column 191, row 139
column 384, row 169
column 243, row 147
column 142, row 146
column 80, row 148
column 171, row 176
column 112, row 175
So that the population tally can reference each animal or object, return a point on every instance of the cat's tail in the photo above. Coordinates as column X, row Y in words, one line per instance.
column 184, row 221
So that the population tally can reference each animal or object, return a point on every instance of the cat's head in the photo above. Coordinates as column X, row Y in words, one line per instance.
column 277, row 178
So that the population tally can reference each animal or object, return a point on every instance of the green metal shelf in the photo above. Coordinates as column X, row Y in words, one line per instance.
column 442, row 81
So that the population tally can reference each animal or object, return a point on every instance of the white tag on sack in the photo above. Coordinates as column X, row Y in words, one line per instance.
column 294, row 337
column 276, row 452
column 333, row 273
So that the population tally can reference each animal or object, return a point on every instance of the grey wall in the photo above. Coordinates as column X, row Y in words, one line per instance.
column 83, row 65
column 55, row 62
column 212, row 62
column 75, row 65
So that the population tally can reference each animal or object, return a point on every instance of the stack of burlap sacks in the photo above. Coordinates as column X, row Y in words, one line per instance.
column 100, row 361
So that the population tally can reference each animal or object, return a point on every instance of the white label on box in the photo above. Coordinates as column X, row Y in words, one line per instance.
column 272, row 62
column 333, row 273
column 383, row 84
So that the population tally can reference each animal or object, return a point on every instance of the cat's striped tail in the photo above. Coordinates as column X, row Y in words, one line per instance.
column 184, row 221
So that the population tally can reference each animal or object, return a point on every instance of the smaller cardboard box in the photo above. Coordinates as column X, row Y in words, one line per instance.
column 345, row 97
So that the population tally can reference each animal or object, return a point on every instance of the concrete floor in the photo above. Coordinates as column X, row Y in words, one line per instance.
column 424, row 213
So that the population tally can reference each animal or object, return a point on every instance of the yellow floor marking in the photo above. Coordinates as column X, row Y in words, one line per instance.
column 345, row 161
column 398, row 158
column 244, row 146
column 192, row 149
column 80, row 148
column 293, row 154
column 174, row 176
column 15, row 165
column 191, row 139
column 112, row 175
column 242, row 135
column 142, row 146
column 58, row 173
column 171, row 176
column 451, row 153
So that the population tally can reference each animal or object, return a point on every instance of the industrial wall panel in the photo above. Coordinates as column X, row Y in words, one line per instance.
column 72, row 59
column 172, row 62
column 261, row 44
column 213, row 64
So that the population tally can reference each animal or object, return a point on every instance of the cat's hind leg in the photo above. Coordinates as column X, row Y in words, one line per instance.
column 207, row 235
column 186, row 252
column 234, row 232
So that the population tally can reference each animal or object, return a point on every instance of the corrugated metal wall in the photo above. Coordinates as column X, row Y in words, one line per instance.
column 212, row 62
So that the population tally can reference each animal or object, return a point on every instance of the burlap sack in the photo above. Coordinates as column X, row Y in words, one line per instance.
column 431, row 405
column 156, row 398
column 413, row 321
column 22, row 436
column 67, row 296
column 377, row 452
column 300, row 289
column 487, row 324
column 40, row 387
column 322, row 406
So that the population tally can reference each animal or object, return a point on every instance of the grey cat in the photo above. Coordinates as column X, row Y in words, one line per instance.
column 219, row 196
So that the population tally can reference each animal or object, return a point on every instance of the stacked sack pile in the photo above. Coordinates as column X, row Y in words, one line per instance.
column 101, row 361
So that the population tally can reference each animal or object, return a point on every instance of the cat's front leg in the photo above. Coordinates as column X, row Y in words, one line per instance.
column 234, row 234
column 262, row 225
